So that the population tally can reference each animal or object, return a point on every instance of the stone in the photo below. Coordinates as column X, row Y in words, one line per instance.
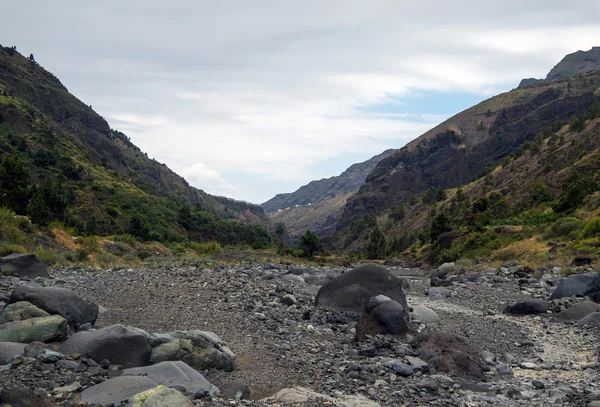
column 10, row 349
column 68, row 389
column 19, row 311
column 23, row 265
column 400, row 368
column 175, row 373
column 418, row 364
column 160, row 396
column 113, row 391
column 427, row 316
column 587, row 284
column 375, row 301
column 200, row 349
column 288, row 299
column 582, row 260
column 48, row 356
column 119, row 344
column 57, row 301
column 528, row 307
column 45, row 329
column 577, row 311
column 389, row 317
column 352, row 290
column 528, row 365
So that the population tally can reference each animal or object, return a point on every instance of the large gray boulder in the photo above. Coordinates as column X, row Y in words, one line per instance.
column 61, row 301
column 352, row 290
column 23, row 265
column 115, row 390
column 120, row 344
column 579, row 285
column 199, row 349
column 173, row 374
column 10, row 349
column 20, row 311
column 590, row 319
column 45, row 329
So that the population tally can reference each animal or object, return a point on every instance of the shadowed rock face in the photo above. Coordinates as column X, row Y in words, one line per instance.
column 575, row 64
column 352, row 290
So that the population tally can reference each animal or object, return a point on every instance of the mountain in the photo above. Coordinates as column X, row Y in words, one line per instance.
column 318, row 205
column 573, row 64
column 315, row 191
column 471, row 142
column 62, row 161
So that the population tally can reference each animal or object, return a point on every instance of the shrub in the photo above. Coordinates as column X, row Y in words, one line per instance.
column 143, row 255
column 7, row 248
column 50, row 257
column 208, row 248
column 309, row 245
column 592, row 227
column 82, row 254
column 564, row 227
column 107, row 258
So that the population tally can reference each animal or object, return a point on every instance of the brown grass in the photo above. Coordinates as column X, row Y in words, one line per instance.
column 64, row 238
column 529, row 249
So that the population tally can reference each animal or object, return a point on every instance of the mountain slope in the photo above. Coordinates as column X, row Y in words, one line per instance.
column 454, row 152
column 315, row 191
column 104, row 183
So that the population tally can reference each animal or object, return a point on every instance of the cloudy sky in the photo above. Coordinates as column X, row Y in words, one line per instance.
column 250, row 98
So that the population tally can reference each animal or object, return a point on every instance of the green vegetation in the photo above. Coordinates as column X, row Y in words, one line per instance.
column 309, row 245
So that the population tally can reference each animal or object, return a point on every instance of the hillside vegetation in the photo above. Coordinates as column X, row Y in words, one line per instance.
column 61, row 162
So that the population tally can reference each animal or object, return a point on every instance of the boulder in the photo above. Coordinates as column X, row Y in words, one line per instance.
column 119, row 344
column 113, row 391
column 45, row 329
column 438, row 276
column 590, row 319
column 19, row 311
column 386, row 317
column 352, row 290
column 528, row 307
column 579, row 285
column 427, row 316
column 199, row 349
column 302, row 396
column 447, row 354
column 23, row 265
column 175, row 374
column 582, row 260
column 160, row 396
column 57, row 301
column 577, row 311
column 10, row 349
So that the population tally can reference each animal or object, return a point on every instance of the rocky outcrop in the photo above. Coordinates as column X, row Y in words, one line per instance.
column 576, row 63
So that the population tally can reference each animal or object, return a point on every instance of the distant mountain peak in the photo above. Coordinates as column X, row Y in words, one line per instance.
column 576, row 63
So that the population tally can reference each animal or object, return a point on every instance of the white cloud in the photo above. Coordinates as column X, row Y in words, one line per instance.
column 249, row 99
column 206, row 178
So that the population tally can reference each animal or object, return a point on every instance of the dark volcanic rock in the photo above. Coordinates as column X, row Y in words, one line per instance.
column 528, row 307
column 119, row 344
column 575, row 64
column 23, row 265
column 579, row 285
column 352, row 290
column 387, row 317
column 61, row 301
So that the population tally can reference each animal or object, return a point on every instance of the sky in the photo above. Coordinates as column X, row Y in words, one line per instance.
column 251, row 98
